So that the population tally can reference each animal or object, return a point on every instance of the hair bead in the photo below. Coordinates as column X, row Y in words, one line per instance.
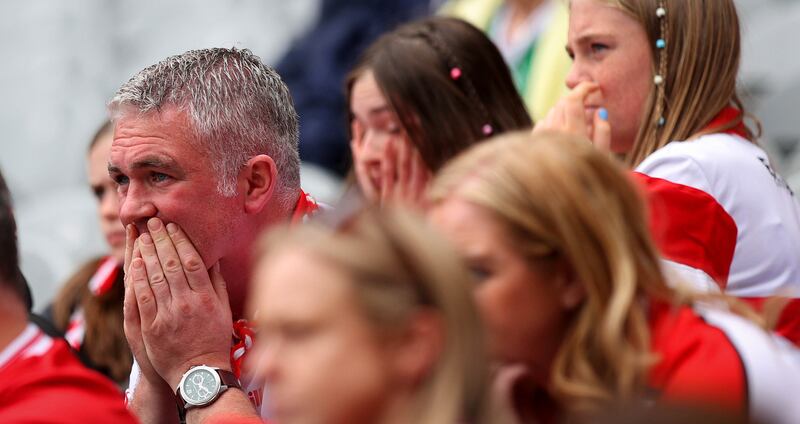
column 659, row 79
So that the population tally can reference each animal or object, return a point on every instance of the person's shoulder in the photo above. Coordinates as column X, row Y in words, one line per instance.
column 717, row 149
column 705, row 161
column 771, row 365
column 49, row 381
column 695, row 360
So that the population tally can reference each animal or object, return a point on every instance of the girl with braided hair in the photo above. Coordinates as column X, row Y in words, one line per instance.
column 654, row 81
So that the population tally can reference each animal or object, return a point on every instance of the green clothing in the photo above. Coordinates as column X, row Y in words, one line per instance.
column 540, row 77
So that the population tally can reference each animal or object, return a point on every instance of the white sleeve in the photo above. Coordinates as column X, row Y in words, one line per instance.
column 674, row 163
column 133, row 381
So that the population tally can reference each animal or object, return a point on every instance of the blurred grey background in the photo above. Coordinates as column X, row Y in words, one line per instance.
column 62, row 61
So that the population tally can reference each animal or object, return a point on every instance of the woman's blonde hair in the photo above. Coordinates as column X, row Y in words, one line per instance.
column 562, row 200
column 702, row 55
column 398, row 269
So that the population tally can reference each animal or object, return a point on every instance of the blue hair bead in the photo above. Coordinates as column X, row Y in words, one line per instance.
column 660, row 43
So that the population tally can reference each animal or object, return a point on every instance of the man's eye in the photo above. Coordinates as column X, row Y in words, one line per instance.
column 158, row 177
column 121, row 179
column 598, row 47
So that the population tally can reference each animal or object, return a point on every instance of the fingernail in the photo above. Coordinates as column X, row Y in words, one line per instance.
column 172, row 228
column 137, row 263
column 154, row 224
column 146, row 239
column 603, row 113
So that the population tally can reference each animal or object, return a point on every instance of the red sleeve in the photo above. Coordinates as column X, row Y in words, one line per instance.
column 689, row 226
column 696, row 362
column 57, row 388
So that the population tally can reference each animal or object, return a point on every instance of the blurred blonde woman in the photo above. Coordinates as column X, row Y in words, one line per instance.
column 370, row 323
column 573, row 296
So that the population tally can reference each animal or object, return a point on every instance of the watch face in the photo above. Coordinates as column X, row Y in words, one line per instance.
column 200, row 386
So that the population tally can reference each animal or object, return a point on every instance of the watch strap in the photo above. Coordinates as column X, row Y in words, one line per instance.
column 228, row 379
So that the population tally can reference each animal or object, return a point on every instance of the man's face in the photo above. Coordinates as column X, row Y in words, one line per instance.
column 161, row 174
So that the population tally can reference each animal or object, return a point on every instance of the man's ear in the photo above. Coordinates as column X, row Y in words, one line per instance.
column 259, row 178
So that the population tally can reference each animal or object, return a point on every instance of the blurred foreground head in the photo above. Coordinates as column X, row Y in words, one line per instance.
column 370, row 322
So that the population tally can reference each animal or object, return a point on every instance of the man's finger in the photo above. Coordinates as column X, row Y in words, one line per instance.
column 168, row 257
column 145, row 300
column 220, row 287
column 130, row 314
column 131, row 236
column 195, row 270
column 135, row 254
column 155, row 274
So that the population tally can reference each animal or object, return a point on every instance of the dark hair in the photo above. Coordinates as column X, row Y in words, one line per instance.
column 443, row 113
column 10, row 275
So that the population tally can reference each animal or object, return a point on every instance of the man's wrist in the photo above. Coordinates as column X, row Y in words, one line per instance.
column 176, row 375
column 232, row 402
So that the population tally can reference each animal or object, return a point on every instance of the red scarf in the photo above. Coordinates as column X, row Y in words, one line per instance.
column 306, row 206
column 726, row 118
column 243, row 333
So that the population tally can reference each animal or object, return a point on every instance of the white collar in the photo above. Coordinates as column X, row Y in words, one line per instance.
column 23, row 341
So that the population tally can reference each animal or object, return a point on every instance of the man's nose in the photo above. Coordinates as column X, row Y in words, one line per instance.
column 135, row 207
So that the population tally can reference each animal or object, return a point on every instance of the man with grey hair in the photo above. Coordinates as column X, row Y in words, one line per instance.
column 205, row 156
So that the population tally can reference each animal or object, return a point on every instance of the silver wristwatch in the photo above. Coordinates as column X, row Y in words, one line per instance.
column 201, row 386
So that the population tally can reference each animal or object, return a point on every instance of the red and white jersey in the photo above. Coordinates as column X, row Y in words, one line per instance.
column 42, row 381
column 708, row 355
column 737, row 175
column 721, row 215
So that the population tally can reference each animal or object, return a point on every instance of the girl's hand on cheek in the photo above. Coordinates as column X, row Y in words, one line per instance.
column 405, row 176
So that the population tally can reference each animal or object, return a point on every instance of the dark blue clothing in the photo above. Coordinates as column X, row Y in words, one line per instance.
column 316, row 65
